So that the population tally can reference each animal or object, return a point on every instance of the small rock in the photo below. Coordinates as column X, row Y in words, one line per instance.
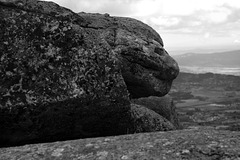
column 124, row 157
column 57, row 152
column 185, row 151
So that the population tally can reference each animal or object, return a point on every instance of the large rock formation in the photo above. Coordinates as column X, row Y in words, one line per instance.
column 194, row 144
column 65, row 75
column 146, row 67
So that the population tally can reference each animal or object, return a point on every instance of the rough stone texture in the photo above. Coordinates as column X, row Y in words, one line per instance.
column 146, row 67
column 164, row 106
column 63, row 75
column 146, row 120
column 194, row 144
column 53, row 84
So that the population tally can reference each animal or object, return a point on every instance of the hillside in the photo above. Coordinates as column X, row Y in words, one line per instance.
column 223, row 59
column 209, row 80
column 207, row 99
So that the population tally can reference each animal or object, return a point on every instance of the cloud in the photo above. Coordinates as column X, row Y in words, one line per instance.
column 237, row 41
column 113, row 7
column 207, row 35
column 219, row 21
column 216, row 15
column 147, row 7
column 165, row 21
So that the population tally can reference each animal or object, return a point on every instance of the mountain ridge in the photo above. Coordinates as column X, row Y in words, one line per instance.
column 216, row 59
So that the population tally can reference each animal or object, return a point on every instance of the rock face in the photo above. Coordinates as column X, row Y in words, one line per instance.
column 196, row 144
column 146, row 120
column 146, row 67
column 65, row 75
column 164, row 106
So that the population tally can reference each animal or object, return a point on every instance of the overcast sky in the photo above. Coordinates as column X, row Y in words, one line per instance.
column 183, row 24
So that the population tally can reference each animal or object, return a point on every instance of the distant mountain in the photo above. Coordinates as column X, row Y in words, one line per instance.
column 222, row 59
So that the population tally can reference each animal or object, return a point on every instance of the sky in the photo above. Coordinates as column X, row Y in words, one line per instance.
column 184, row 25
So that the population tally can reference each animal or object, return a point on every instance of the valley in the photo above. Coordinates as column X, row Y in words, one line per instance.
column 207, row 100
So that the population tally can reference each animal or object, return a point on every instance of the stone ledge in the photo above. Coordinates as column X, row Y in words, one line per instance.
column 201, row 143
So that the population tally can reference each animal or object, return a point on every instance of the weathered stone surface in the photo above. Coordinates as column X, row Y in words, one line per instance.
column 195, row 144
column 65, row 75
column 161, row 105
column 146, row 120
column 146, row 67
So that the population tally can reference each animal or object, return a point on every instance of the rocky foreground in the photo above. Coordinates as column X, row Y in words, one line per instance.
column 66, row 75
column 201, row 144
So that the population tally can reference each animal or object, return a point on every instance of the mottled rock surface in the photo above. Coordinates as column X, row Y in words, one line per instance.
column 55, row 85
column 146, row 120
column 194, row 144
column 164, row 106
column 146, row 67
column 65, row 75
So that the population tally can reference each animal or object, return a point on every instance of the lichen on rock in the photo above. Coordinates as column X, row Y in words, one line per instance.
column 65, row 75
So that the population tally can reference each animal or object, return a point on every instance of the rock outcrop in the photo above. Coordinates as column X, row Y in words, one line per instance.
column 65, row 75
column 164, row 106
column 194, row 144
column 146, row 120
column 146, row 67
